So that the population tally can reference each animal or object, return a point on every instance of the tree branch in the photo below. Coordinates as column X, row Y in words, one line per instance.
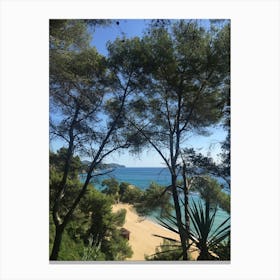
column 96, row 158
column 151, row 142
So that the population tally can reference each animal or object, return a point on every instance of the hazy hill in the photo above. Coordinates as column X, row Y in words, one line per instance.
column 86, row 163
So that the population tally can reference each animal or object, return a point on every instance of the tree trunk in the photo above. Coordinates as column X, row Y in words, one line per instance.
column 57, row 241
column 181, row 229
column 204, row 254
column 186, row 206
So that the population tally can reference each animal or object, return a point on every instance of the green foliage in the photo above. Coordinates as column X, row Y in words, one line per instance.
column 213, row 244
column 130, row 194
column 223, row 250
column 103, row 226
column 118, row 250
column 73, row 187
column 57, row 162
column 111, row 188
column 68, row 34
column 168, row 251
column 184, row 81
column 72, row 34
column 183, row 67
column 179, row 75
column 70, row 249
column 125, row 57
column 79, row 81
column 210, row 190
column 202, row 234
column 92, row 252
column 155, row 198
column 93, row 232
column 225, row 155
column 123, row 191
column 199, row 164
column 123, row 187
column 73, row 184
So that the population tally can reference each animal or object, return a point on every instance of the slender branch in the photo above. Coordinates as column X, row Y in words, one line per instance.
column 171, row 131
column 178, row 132
column 168, row 114
column 60, row 135
column 125, row 145
column 89, row 113
column 151, row 142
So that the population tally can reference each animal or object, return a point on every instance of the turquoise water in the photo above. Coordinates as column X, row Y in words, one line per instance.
column 142, row 178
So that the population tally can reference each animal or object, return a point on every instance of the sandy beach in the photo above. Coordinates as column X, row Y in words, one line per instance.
column 141, row 230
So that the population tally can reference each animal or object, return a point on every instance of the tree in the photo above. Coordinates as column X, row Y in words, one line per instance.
column 180, row 77
column 210, row 190
column 111, row 188
column 70, row 34
column 155, row 198
column 198, row 164
column 186, row 73
column 88, row 96
column 75, row 96
column 130, row 194
column 57, row 161
column 197, row 170
column 93, row 231
column 104, row 226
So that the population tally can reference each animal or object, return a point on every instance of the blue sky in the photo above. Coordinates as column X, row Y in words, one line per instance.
column 130, row 28
column 149, row 158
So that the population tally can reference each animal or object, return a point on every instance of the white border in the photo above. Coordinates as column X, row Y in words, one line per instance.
column 24, row 138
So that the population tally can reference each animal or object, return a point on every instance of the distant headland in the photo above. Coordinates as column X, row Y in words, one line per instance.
column 86, row 163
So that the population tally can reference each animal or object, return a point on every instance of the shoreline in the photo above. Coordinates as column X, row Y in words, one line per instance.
column 141, row 231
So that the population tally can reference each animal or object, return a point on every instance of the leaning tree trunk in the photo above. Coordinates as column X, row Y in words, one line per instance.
column 57, row 241
column 62, row 187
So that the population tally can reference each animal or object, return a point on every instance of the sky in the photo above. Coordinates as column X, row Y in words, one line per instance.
column 149, row 157
column 130, row 28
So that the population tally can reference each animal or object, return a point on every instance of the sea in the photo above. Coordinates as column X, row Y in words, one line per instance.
column 142, row 177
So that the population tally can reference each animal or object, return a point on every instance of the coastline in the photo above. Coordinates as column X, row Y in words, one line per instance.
column 141, row 230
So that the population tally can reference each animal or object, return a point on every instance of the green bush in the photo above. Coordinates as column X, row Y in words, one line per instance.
column 93, row 232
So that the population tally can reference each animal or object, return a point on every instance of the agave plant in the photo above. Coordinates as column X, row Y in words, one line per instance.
column 170, row 246
column 169, row 250
column 206, row 239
